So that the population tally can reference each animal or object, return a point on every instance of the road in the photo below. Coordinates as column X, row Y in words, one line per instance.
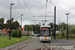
column 35, row 44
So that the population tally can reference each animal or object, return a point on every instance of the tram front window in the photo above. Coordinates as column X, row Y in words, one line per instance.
column 45, row 32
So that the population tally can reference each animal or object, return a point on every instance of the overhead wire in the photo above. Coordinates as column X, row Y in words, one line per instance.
column 57, row 6
column 27, row 7
column 45, row 7
column 29, row 10
column 24, row 9
column 50, row 1
column 45, row 10
column 60, row 8
column 39, row 3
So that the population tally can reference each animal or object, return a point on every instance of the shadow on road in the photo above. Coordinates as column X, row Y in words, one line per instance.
column 45, row 42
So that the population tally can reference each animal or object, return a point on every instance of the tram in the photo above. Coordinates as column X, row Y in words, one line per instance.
column 45, row 34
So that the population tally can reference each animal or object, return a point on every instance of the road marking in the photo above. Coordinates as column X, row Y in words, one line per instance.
column 64, row 47
column 42, row 48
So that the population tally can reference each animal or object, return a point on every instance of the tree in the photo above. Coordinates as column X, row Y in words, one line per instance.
column 73, row 29
column 30, row 27
column 26, row 27
column 51, row 24
column 12, row 19
column 35, row 28
column 52, row 29
column 15, row 25
column 8, row 24
column 1, row 23
column 63, row 25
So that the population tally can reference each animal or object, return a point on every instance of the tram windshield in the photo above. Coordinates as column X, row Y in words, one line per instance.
column 45, row 31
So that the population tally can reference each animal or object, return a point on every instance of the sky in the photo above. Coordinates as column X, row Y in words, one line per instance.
column 31, row 8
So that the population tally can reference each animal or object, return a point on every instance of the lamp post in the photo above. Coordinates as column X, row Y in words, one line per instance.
column 21, row 21
column 10, row 19
column 67, row 24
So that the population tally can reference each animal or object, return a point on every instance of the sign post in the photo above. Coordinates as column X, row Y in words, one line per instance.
column 18, row 35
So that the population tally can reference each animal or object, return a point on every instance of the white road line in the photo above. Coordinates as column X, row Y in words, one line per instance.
column 64, row 47
column 42, row 48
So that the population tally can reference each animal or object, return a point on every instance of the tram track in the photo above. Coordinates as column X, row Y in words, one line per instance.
column 24, row 43
column 45, row 47
column 30, row 43
column 24, row 46
column 35, row 44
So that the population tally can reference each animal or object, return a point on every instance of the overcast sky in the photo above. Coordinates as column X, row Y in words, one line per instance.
column 37, row 8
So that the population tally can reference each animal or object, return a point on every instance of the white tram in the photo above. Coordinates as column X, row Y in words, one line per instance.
column 45, row 34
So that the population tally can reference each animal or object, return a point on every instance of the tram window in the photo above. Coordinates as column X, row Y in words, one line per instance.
column 45, row 31
column 45, row 28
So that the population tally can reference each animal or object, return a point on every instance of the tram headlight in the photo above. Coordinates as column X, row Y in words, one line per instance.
column 48, row 38
column 42, row 37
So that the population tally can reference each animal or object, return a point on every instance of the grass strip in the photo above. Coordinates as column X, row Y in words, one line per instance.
column 4, row 40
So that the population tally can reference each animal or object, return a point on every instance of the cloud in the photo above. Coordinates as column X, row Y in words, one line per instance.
column 37, row 8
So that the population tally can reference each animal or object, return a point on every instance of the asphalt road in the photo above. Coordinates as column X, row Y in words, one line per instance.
column 35, row 44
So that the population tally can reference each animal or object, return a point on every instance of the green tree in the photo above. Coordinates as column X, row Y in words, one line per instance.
column 15, row 25
column 73, row 29
column 1, row 23
column 8, row 24
column 51, row 24
column 30, row 27
column 35, row 28
column 52, row 29
column 16, row 33
column 63, row 29
column 26, row 27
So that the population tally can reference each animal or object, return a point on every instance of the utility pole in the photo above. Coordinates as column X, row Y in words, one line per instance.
column 67, row 24
column 28, row 31
column 54, row 22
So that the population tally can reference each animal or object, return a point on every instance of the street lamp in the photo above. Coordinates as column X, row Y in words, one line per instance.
column 67, row 24
column 21, row 21
column 10, row 19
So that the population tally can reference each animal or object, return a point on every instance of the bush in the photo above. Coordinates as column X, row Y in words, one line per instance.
column 15, row 33
column 62, row 33
column 0, row 34
column 71, row 35
column 58, row 34
column 65, row 35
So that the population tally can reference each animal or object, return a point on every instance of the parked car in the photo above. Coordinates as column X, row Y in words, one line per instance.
column 38, row 35
column 32, row 34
